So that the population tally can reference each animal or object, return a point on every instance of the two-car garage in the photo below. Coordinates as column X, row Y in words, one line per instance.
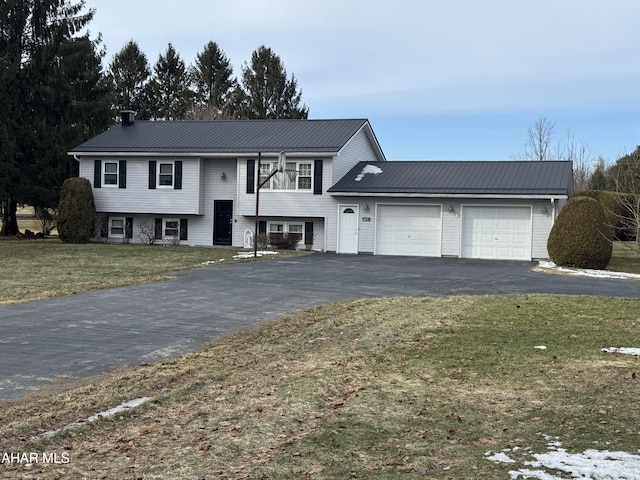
column 491, row 232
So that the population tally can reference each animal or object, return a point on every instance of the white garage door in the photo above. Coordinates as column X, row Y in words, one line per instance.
column 496, row 232
column 408, row 230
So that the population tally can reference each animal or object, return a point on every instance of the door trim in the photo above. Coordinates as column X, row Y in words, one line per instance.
column 215, row 239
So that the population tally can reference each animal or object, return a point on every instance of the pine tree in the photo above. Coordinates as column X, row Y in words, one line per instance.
column 270, row 93
column 170, row 87
column 49, row 97
column 212, row 78
column 128, row 77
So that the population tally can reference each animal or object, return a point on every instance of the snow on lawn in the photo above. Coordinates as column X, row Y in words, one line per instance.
column 240, row 256
column 260, row 253
column 623, row 350
column 591, row 464
column 587, row 272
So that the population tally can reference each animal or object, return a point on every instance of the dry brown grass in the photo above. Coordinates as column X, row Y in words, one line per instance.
column 36, row 269
column 417, row 388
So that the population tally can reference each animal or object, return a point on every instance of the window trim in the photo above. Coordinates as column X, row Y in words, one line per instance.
column 285, row 228
column 164, row 228
column 268, row 167
column 159, row 174
column 124, row 227
column 104, row 174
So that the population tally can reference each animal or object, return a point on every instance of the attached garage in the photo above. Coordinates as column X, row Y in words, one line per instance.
column 488, row 209
column 496, row 232
column 408, row 230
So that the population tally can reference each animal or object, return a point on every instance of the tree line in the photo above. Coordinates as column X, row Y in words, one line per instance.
column 206, row 90
column 55, row 94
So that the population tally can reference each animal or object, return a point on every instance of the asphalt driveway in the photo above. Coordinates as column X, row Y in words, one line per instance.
column 87, row 334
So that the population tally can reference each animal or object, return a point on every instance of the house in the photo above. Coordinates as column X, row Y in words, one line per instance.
column 196, row 182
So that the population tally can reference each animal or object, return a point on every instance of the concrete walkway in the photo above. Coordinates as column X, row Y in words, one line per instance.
column 87, row 334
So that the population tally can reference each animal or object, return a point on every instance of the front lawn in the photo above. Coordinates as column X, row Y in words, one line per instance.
column 411, row 388
column 33, row 269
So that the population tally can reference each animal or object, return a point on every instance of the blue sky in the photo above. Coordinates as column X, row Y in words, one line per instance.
column 438, row 79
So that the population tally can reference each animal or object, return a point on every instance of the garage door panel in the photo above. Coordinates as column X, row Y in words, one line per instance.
column 408, row 230
column 496, row 232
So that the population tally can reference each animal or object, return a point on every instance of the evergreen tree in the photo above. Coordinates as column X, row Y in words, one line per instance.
column 270, row 93
column 50, row 97
column 170, row 87
column 625, row 174
column 128, row 78
column 212, row 77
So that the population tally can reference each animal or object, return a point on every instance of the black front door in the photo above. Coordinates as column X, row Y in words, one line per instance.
column 222, row 221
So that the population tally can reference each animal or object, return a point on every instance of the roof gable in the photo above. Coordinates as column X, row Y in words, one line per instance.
column 226, row 137
column 458, row 177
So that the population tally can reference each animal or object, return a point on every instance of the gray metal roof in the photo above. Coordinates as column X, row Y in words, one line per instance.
column 227, row 136
column 459, row 177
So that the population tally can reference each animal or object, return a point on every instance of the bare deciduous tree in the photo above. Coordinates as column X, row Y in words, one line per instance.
column 539, row 140
column 541, row 145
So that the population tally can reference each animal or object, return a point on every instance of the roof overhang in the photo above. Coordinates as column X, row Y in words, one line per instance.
column 540, row 196
column 366, row 126
column 200, row 154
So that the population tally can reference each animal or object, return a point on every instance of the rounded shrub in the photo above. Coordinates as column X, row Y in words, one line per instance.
column 580, row 237
column 76, row 211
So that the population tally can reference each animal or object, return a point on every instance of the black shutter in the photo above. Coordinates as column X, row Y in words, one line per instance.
column 158, row 227
column 128, row 227
column 104, row 227
column 308, row 233
column 317, row 177
column 251, row 176
column 183, row 228
column 122, row 174
column 152, row 174
column 177, row 184
column 262, row 227
column 97, row 173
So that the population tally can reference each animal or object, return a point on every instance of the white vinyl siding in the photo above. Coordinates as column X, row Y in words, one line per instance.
column 138, row 198
column 358, row 149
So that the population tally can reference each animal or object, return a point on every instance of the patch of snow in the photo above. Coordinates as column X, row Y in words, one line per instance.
column 591, row 464
column 501, row 457
column 260, row 253
column 585, row 272
column 623, row 350
column 368, row 169
column 212, row 262
column 107, row 413
column 540, row 347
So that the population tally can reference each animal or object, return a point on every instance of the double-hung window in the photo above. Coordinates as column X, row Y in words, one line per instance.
column 116, row 226
column 165, row 174
column 110, row 173
column 171, row 227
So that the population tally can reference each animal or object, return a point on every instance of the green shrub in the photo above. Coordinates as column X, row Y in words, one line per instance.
column 76, row 211
column 579, row 237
